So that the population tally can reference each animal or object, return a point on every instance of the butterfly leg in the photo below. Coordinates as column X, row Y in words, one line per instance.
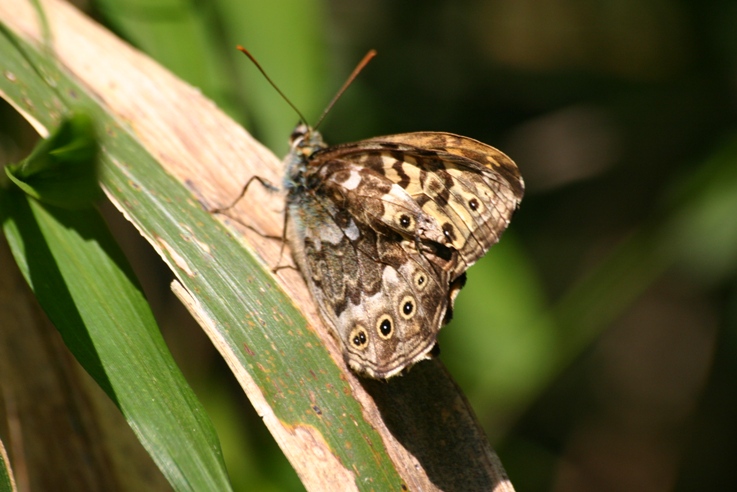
column 266, row 184
column 224, row 210
column 283, row 238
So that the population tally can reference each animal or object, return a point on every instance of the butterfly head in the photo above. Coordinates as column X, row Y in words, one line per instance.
column 305, row 141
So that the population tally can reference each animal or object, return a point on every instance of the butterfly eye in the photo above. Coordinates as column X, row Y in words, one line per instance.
column 407, row 307
column 405, row 221
column 420, row 280
column 384, row 327
column 358, row 337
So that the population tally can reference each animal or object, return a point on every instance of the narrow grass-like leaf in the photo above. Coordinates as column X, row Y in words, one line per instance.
column 88, row 291
column 85, row 286
column 6, row 475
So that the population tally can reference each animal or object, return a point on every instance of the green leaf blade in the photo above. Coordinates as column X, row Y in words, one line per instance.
column 85, row 286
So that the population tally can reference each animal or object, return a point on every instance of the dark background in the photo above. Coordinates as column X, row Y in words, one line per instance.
column 597, row 342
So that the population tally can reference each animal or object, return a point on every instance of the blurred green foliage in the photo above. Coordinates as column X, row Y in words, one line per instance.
column 597, row 341
column 62, row 170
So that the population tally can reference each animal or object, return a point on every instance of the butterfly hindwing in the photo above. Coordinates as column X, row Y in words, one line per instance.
column 381, row 295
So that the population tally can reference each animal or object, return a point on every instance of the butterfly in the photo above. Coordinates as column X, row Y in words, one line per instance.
column 384, row 229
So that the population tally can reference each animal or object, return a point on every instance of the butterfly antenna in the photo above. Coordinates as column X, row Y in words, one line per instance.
column 348, row 82
column 263, row 72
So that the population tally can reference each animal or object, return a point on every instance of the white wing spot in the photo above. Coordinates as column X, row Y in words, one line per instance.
column 352, row 231
column 352, row 182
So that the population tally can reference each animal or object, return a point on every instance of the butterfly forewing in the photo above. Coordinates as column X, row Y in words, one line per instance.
column 468, row 189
